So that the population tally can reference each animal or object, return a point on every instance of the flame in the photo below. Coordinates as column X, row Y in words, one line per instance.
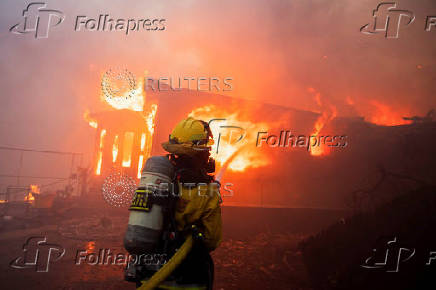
column 93, row 123
column 100, row 152
column 115, row 149
column 328, row 113
column 34, row 190
column 150, row 119
column 132, row 100
column 141, row 157
column 227, row 145
column 384, row 115
column 142, row 141
column 140, row 164
column 127, row 149
column 90, row 247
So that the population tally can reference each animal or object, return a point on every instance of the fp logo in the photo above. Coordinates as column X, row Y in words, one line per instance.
column 390, row 259
column 229, row 131
column 38, row 20
column 388, row 19
column 38, row 254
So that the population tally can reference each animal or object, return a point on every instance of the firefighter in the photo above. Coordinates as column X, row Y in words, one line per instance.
column 189, row 148
column 196, row 214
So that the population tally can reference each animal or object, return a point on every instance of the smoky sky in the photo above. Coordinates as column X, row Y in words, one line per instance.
column 274, row 51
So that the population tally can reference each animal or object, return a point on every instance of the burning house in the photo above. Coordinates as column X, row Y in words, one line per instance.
column 124, row 134
column 132, row 128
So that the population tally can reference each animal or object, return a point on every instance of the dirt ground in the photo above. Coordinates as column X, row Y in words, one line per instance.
column 252, row 255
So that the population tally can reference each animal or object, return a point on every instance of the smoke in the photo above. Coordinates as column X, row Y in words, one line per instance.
column 273, row 50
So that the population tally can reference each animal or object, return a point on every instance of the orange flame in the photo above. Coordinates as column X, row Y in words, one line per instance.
column 150, row 118
column 242, row 154
column 115, row 149
column 132, row 100
column 34, row 190
column 93, row 123
column 141, row 157
column 140, row 165
column 127, row 149
column 328, row 113
column 384, row 115
column 100, row 152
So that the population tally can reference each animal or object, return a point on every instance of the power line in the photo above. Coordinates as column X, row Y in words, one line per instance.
column 40, row 151
column 28, row 176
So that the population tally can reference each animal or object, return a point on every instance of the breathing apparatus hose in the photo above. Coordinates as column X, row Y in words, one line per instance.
column 169, row 267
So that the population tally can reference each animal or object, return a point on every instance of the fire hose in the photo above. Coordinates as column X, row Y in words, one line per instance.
column 169, row 267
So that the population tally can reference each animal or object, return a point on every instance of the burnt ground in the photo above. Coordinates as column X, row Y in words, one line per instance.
column 259, row 248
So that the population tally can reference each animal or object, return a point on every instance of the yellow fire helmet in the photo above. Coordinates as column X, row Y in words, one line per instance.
column 188, row 137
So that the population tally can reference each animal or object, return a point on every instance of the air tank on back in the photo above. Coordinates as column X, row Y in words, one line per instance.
column 146, row 218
